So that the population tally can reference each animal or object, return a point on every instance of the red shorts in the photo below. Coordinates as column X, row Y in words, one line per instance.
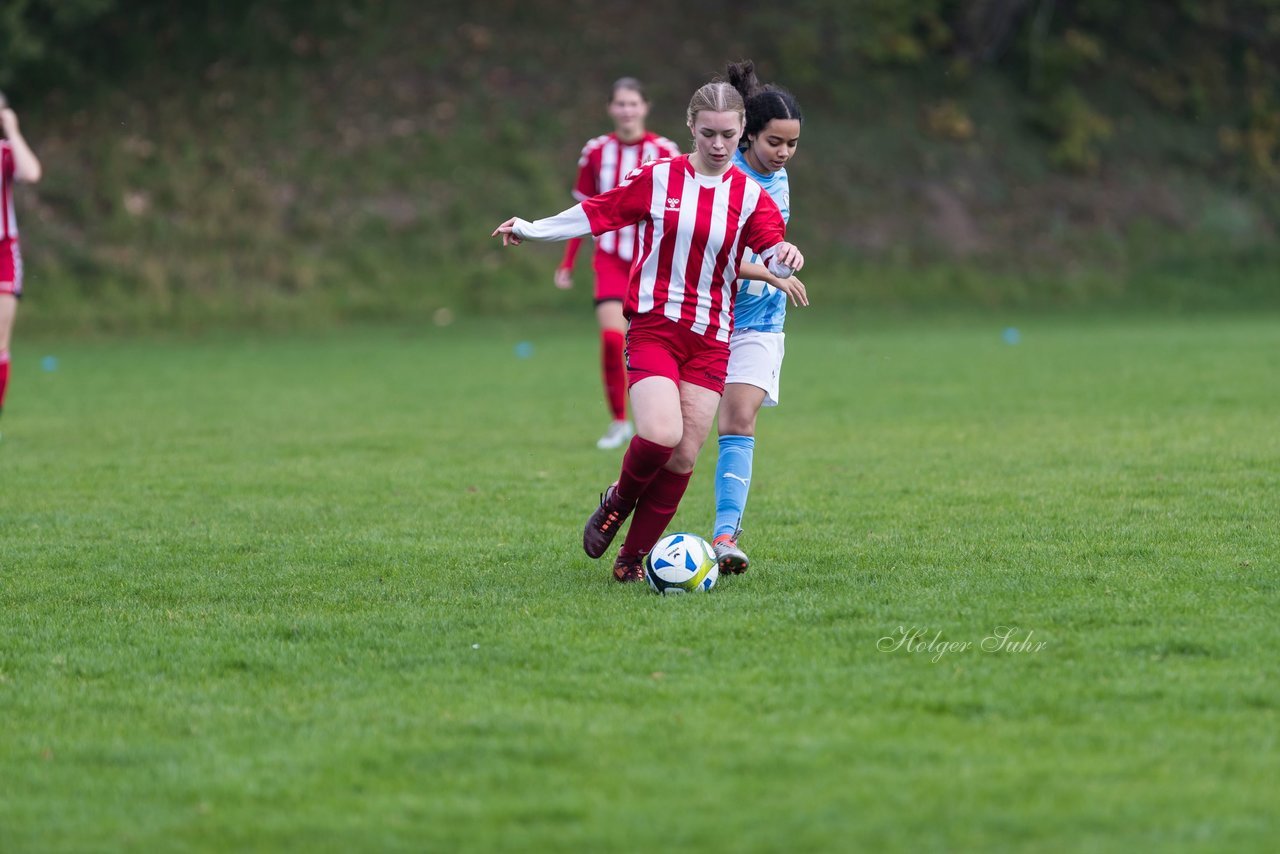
column 658, row 347
column 612, row 276
column 10, row 268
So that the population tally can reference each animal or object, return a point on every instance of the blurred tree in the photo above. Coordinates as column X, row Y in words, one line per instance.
column 1215, row 60
column 985, row 28
column 63, row 43
column 36, row 32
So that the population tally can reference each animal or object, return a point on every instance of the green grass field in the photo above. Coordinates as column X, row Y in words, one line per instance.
column 325, row 591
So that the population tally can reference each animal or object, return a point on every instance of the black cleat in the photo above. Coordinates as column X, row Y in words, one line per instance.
column 604, row 523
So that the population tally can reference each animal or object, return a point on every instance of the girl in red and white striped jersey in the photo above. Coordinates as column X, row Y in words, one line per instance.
column 17, row 163
column 604, row 162
column 696, row 215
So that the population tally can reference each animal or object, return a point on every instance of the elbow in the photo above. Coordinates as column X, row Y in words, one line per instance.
column 30, row 175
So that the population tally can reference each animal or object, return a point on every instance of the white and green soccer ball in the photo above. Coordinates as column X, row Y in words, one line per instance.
column 681, row 563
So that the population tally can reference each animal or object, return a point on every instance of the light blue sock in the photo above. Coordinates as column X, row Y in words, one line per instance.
column 733, row 480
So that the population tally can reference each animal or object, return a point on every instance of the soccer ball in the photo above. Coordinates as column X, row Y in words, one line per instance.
column 681, row 563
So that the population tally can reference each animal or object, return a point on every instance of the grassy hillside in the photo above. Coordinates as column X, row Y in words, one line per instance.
column 358, row 172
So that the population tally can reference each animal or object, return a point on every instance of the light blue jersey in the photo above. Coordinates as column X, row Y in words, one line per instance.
column 759, row 305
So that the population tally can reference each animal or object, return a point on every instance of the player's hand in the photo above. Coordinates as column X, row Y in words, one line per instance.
column 789, row 254
column 564, row 278
column 792, row 287
column 507, row 230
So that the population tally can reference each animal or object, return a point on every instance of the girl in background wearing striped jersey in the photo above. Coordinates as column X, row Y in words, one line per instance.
column 603, row 163
column 696, row 215
column 17, row 163
column 756, row 347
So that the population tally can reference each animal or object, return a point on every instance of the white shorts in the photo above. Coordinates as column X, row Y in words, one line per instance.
column 755, row 358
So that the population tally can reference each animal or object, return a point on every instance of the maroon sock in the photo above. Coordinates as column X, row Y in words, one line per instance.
column 614, row 368
column 654, row 512
column 4, row 374
column 640, row 464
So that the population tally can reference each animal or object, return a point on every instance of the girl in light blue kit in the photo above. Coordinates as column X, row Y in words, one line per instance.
column 772, row 132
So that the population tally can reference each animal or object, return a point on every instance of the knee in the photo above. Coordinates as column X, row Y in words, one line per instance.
column 685, row 456
column 682, row 461
column 737, row 424
column 661, row 434
column 736, row 421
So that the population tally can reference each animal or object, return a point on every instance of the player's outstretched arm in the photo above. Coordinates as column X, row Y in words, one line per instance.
column 508, row 232
column 26, row 166
column 791, row 286
column 794, row 288
column 562, row 226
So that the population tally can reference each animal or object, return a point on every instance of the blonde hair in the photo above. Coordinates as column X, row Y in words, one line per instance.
column 716, row 97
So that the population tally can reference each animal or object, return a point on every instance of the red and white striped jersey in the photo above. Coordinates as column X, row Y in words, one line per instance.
column 8, row 222
column 604, row 162
column 693, row 230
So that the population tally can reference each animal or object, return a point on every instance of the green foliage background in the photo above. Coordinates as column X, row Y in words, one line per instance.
column 282, row 162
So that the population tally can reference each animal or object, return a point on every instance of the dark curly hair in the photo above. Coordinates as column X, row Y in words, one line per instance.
column 764, row 101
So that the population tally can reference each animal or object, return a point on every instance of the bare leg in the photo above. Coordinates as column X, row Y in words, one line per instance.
column 697, row 409
column 659, row 502
column 656, row 405
column 8, row 311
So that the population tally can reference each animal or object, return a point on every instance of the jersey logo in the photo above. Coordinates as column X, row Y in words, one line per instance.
column 756, row 289
column 673, row 203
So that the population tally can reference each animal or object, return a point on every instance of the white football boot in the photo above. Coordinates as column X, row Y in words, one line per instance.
column 616, row 436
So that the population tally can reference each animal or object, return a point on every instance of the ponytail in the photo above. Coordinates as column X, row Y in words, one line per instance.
column 763, row 102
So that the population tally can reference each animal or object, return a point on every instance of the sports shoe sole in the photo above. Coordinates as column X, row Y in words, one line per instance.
column 732, row 560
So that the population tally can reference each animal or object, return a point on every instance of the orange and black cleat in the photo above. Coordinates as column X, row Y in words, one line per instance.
column 604, row 523
column 628, row 569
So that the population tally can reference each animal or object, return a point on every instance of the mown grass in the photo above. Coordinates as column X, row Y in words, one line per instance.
column 324, row 591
